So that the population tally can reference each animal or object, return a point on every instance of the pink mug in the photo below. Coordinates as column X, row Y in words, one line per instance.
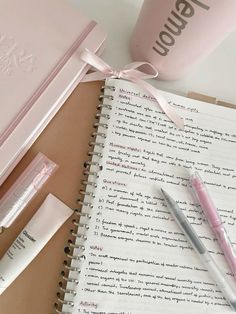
column 174, row 35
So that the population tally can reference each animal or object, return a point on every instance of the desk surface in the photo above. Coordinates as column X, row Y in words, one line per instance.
column 34, row 291
column 215, row 76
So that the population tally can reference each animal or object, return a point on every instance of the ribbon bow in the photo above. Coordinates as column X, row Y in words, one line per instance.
column 131, row 73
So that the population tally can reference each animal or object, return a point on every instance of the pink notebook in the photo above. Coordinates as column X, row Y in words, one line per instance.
column 40, row 42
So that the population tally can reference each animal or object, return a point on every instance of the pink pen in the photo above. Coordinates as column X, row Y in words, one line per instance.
column 214, row 220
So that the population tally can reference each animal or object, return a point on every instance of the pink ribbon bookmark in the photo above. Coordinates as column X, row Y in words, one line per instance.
column 131, row 73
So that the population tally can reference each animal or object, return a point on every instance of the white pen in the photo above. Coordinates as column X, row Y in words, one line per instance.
column 227, row 289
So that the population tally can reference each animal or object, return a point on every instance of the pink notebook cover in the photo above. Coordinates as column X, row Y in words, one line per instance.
column 40, row 42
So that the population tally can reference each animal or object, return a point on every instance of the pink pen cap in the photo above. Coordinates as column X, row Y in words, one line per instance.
column 205, row 200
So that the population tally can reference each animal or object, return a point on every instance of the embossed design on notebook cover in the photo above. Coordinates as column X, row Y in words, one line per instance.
column 13, row 56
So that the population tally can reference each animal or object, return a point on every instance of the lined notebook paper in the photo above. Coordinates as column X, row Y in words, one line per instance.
column 135, row 259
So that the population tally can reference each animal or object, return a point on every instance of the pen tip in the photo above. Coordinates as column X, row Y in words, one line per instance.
column 164, row 193
column 168, row 199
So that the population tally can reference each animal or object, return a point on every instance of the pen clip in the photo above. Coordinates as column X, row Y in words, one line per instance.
column 195, row 198
column 193, row 192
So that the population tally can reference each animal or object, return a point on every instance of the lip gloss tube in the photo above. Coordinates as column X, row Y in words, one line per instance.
column 25, row 188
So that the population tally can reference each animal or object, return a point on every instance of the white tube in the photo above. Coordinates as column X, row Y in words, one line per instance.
column 43, row 225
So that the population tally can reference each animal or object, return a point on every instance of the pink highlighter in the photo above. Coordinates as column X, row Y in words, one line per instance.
column 214, row 220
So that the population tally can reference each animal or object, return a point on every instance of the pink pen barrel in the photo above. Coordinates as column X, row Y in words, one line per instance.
column 205, row 201
column 214, row 220
column 226, row 246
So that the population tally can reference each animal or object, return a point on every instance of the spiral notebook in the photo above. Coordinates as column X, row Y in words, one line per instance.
column 126, row 255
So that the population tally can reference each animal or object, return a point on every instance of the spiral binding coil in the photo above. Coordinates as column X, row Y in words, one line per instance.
column 73, row 251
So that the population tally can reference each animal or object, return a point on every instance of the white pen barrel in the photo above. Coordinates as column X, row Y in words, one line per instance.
column 228, row 290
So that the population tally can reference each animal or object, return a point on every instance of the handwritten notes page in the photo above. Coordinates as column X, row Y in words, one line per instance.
column 137, row 259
